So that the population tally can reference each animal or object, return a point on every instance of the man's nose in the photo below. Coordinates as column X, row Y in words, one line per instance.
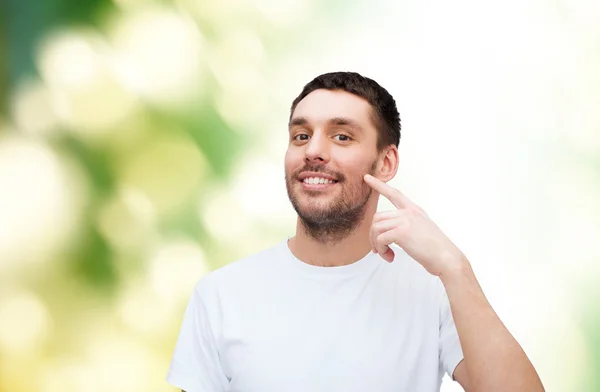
column 317, row 149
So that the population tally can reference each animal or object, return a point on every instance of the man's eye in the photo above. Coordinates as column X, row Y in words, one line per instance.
column 301, row 137
column 343, row 138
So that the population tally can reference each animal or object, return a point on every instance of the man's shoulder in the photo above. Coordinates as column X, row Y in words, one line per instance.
column 244, row 270
column 257, row 260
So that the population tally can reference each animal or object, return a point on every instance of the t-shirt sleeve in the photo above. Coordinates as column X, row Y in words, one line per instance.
column 450, row 350
column 195, row 366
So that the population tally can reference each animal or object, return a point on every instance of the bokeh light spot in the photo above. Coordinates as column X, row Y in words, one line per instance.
column 175, row 269
column 87, row 93
column 40, row 202
column 159, row 53
column 167, row 170
column 24, row 323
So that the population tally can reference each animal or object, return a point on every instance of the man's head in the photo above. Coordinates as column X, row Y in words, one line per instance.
column 342, row 126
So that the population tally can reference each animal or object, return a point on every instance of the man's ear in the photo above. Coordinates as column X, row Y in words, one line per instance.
column 388, row 163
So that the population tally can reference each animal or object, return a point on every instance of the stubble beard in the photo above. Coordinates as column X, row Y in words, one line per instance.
column 338, row 219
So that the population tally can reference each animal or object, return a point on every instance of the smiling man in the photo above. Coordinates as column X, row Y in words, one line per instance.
column 357, row 300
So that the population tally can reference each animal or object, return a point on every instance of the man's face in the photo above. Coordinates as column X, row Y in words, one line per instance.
column 332, row 146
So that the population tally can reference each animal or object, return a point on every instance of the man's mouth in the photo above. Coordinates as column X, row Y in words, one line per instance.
column 317, row 183
column 318, row 180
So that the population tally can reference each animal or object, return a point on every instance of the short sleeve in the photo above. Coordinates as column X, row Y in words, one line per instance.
column 450, row 350
column 195, row 366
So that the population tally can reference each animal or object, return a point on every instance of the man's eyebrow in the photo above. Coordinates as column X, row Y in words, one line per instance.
column 345, row 121
column 298, row 121
column 302, row 121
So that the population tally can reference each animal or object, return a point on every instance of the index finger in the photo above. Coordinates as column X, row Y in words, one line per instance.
column 392, row 194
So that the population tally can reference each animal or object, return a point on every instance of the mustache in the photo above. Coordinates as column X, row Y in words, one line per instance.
column 320, row 169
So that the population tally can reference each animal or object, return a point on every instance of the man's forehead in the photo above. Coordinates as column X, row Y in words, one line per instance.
column 323, row 105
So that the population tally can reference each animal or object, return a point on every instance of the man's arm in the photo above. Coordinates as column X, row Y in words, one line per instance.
column 493, row 360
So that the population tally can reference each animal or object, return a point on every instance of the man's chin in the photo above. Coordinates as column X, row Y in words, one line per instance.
column 314, row 212
column 316, row 219
column 315, row 207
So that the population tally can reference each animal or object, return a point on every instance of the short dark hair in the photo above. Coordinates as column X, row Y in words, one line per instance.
column 385, row 113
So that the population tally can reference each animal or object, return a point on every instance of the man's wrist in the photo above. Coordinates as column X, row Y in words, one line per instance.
column 455, row 268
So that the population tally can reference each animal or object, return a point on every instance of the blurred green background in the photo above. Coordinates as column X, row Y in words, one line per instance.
column 142, row 143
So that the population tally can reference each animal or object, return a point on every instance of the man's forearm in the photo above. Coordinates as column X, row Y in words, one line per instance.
column 493, row 358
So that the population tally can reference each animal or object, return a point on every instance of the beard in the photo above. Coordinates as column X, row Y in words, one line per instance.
column 335, row 220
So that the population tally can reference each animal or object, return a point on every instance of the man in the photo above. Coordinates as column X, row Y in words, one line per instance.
column 357, row 300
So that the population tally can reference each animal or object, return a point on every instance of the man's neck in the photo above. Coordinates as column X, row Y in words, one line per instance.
column 346, row 251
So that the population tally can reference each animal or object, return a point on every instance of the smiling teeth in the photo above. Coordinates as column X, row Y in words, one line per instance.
column 317, row 180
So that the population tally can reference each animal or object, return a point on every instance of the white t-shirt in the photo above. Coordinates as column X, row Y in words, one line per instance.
column 271, row 323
